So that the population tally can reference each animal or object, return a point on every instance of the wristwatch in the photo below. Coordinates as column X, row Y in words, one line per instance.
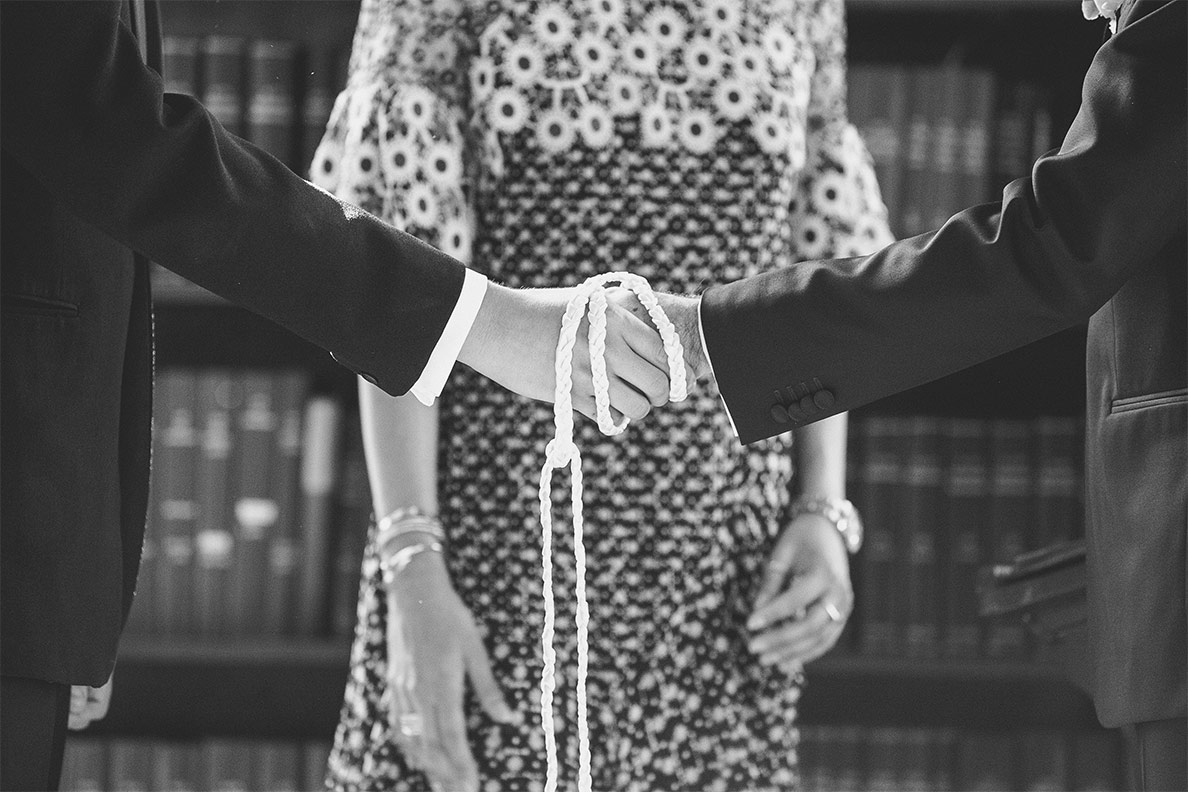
column 838, row 511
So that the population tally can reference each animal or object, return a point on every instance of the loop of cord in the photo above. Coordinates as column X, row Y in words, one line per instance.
column 562, row 452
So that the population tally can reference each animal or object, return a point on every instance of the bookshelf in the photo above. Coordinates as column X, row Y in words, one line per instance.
column 289, row 688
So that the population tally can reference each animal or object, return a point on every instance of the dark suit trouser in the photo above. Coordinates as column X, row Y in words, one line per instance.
column 32, row 733
column 1159, row 755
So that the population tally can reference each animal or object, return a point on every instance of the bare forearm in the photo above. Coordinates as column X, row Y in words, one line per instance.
column 821, row 457
column 400, row 440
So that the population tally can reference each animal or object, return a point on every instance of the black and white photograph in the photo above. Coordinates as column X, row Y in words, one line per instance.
column 593, row 395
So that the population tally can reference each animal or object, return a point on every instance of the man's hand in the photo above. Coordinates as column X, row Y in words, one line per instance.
column 806, row 596
column 88, row 704
column 514, row 342
column 683, row 313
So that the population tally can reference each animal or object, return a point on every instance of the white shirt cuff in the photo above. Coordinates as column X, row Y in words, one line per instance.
column 441, row 362
column 705, row 351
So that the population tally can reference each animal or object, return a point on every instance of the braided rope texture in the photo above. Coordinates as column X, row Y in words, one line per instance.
column 560, row 452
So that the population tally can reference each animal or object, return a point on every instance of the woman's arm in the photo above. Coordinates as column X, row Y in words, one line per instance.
column 433, row 641
column 821, row 458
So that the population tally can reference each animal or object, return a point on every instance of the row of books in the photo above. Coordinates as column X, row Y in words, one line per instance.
column 944, row 138
column 853, row 758
column 259, row 506
column 889, row 759
column 275, row 93
column 96, row 764
column 941, row 498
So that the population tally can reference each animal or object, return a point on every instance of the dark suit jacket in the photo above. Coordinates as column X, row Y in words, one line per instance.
column 100, row 172
column 1096, row 232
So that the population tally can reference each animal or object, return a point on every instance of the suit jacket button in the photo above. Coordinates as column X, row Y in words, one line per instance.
column 779, row 414
column 795, row 412
column 807, row 407
column 823, row 399
column 369, row 378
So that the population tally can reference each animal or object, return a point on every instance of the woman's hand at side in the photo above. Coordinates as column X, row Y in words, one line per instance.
column 806, row 596
column 433, row 645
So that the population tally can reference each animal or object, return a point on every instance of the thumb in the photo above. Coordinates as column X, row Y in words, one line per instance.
column 779, row 565
column 478, row 667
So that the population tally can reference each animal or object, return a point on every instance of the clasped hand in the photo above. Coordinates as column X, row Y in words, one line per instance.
column 514, row 342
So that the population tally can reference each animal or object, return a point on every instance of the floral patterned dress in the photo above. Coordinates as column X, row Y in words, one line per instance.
column 544, row 142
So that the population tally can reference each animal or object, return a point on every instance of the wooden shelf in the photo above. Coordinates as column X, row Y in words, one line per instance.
column 185, row 689
column 936, row 693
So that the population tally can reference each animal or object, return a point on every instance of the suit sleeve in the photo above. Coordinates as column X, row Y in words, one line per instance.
column 155, row 171
column 995, row 277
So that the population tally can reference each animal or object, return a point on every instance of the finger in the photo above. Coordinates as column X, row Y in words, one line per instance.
column 78, row 699
column 790, row 633
column 628, row 319
column 585, row 405
column 637, row 371
column 478, row 667
column 452, row 732
column 628, row 401
column 99, row 701
column 435, row 759
column 791, row 603
column 775, row 573
column 807, row 651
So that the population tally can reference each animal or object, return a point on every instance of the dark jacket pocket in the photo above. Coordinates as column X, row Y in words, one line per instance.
column 32, row 304
column 1162, row 399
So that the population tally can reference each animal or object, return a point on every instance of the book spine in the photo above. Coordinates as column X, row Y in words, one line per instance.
column 223, row 84
column 180, row 65
column 219, row 394
column 254, row 509
column 321, row 86
column 292, row 389
column 986, row 761
column 177, row 767
column 919, row 180
column 177, row 510
column 976, row 158
column 1044, row 759
column 922, row 518
column 945, row 158
column 354, row 516
column 227, row 765
column 967, row 495
column 272, row 98
column 1013, row 141
column 882, row 479
column 315, row 756
column 130, row 765
column 1098, row 761
column 278, row 767
column 1010, row 516
column 319, row 474
column 84, row 765
column 1059, row 480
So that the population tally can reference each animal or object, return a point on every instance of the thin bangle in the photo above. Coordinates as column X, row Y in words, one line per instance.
column 407, row 520
column 394, row 564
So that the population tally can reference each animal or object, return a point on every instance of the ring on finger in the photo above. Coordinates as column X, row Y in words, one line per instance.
column 831, row 611
column 411, row 724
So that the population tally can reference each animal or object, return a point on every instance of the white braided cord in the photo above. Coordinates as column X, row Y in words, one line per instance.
column 561, row 451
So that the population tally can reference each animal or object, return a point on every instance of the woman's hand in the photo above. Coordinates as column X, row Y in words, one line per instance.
column 433, row 644
column 806, row 596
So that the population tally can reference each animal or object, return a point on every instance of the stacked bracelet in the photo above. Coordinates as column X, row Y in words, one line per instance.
column 394, row 564
column 407, row 520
